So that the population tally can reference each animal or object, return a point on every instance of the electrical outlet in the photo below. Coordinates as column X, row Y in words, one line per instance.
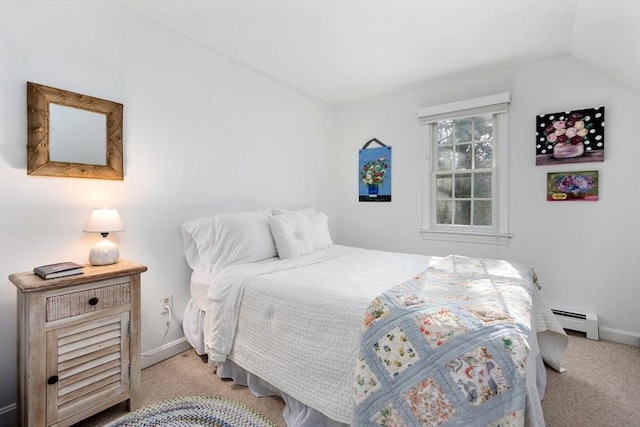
column 166, row 300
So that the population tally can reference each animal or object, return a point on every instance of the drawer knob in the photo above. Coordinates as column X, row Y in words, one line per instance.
column 52, row 379
column 93, row 301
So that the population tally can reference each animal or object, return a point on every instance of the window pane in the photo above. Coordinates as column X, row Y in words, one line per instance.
column 445, row 158
column 462, row 128
column 463, row 156
column 463, row 212
column 482, row 213
column 463, row 186
column 482, row 185
column 483, row 155
column 445, row 132
column 444, row 187
column 443, row 212
column 482, row 127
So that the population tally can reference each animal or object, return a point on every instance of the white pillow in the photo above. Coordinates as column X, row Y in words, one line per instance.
column 241, row 237
column 306, row 211
column 197, row 242
column 320, row 235
column 292, row 234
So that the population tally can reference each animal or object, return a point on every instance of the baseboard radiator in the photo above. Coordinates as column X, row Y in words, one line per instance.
column 583, row 322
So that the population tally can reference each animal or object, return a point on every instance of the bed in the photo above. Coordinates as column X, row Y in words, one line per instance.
column 276, row 306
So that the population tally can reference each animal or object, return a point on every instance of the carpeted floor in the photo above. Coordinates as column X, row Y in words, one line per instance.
column 600, row 387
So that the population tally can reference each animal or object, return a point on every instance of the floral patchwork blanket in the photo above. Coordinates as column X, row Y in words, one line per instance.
column 448, row 347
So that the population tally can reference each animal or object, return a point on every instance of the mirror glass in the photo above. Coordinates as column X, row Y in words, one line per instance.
column 76, row 135
column 73, row 135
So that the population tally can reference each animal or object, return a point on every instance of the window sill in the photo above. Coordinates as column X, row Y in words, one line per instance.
column 494, row 238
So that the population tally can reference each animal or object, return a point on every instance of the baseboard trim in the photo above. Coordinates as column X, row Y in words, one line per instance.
column 623, row 337
column 168, row 350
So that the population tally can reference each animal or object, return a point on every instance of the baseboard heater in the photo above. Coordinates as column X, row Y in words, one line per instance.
column 582, row 322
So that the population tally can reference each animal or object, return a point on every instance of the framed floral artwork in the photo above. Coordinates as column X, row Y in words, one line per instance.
column 374, row 175
column 570, row 137
column 571, row 186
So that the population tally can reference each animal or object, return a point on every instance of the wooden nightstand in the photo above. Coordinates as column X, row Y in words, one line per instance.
column 78, row 343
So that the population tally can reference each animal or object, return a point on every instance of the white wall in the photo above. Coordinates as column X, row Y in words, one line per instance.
column 586, row 254
column 202, row 133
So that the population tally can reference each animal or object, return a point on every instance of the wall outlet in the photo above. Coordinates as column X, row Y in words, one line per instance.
column 166, row 300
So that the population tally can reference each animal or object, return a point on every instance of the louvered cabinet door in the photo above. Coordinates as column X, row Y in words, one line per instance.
column 78, row 343
column 87, row 364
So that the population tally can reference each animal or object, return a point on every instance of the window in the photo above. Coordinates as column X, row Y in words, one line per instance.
column 465, row 170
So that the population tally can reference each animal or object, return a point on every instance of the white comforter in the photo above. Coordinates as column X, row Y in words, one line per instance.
column 300, row 320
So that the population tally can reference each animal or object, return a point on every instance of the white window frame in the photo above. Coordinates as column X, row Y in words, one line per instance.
column 498, row 234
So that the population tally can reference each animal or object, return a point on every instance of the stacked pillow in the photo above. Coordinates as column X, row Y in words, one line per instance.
column 300, row 232
column 197, row 241
column 292, row 234
column 240, row 237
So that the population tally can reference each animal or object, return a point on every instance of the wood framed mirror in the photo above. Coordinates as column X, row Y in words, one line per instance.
column 73, row 135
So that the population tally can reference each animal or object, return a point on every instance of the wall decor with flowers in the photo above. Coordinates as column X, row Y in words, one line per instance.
column 374, row 173
column 570, row 137
column 571, row 186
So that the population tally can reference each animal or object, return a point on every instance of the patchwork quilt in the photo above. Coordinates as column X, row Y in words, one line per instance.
column 447, row 348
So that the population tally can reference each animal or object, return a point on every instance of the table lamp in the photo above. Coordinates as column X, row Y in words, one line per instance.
column 104, row 221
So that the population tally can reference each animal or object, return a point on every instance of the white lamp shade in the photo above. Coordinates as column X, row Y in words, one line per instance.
column 103, row 220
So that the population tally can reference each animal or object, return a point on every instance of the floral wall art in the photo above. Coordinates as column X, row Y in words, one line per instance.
column 374, row 176
column 569, row 186
column 570, row 137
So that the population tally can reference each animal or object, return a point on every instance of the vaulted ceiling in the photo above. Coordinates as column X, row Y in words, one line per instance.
column 346, row 51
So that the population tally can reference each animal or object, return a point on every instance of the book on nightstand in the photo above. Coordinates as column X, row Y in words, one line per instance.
column 60, row 269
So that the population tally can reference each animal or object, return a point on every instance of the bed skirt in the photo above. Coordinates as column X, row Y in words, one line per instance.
column 296, row 413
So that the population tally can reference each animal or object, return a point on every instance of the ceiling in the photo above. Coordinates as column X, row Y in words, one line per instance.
column 347, row 51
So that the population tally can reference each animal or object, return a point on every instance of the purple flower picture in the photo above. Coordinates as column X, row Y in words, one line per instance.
column 568, row 186
column 570, row 137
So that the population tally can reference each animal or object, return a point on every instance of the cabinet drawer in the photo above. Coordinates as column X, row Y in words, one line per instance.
column 87, row 301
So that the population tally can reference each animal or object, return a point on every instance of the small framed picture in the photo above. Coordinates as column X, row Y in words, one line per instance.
column 374, row 175
column 572, row 186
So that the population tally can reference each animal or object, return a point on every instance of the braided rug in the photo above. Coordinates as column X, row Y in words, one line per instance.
column 194, row 411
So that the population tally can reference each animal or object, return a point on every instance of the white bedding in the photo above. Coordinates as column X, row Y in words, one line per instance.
column 199, row 287
column 193, row 318
column 286, row 336
column 226, row 289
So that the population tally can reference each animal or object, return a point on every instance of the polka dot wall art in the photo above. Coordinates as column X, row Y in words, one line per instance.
column 570, row 137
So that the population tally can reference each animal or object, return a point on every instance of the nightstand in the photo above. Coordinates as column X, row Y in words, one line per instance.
column 78, row 343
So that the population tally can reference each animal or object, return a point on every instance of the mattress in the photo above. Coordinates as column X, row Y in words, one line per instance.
column 296, row 322
column 194, row 315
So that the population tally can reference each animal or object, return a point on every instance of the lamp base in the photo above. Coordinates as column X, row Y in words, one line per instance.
column 104, row 252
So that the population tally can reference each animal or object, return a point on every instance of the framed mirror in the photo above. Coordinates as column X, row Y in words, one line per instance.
column 73, row 135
